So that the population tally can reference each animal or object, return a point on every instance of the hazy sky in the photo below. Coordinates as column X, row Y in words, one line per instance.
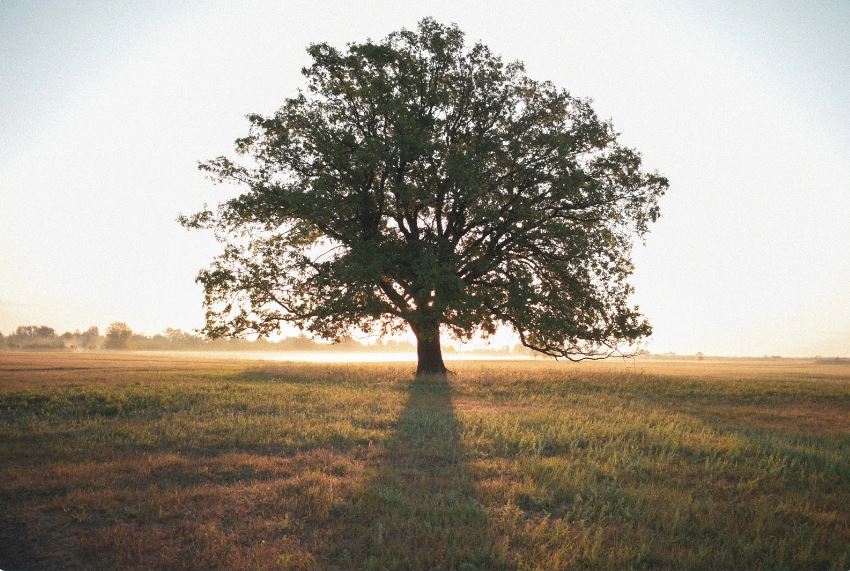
column 105, row 108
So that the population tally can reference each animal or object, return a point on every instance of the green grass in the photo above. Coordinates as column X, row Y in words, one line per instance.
column 137, row 462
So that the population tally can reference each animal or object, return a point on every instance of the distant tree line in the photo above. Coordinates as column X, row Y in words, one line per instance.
column 43, row 338
column 119, row 335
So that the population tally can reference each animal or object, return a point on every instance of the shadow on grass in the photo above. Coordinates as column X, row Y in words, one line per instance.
column 14, row 553
column 420, row 511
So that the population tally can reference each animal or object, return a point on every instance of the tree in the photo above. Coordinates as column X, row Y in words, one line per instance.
column 422, row 183
column 90, row 338
column 35, row 331
column 35, row 337
column 118, row 335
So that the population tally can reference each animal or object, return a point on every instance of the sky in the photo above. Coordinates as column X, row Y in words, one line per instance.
column 106, row 108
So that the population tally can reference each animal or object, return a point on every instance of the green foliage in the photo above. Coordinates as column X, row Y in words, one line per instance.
column 422, row 182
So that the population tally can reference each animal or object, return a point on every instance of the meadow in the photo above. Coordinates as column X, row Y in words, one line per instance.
column 133, row 461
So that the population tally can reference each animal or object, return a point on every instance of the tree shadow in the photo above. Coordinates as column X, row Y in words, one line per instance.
column 420, row 510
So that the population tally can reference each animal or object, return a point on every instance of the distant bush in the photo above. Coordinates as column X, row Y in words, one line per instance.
column 118, row 335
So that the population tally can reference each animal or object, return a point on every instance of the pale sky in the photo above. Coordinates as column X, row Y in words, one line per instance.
column 105, row 109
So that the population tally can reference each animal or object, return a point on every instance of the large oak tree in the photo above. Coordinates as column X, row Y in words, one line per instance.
column 419, row 182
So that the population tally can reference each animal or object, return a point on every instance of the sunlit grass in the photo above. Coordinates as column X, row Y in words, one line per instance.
column 138, row 462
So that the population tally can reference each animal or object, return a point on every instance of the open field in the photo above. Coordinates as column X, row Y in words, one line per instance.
column 134, row 461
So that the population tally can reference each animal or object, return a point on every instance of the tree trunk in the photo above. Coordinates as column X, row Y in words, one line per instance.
column 428, row 351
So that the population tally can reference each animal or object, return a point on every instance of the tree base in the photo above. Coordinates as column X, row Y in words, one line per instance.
column 429, row 353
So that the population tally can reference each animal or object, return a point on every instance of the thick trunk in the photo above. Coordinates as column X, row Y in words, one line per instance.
column 428, row 351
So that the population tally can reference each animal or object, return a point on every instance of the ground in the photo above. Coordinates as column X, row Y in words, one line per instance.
column 124, row 460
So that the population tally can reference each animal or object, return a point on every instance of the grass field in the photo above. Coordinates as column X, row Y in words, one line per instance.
column 133, row 461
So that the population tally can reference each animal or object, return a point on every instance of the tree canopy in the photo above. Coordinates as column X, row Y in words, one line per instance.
column 421, row 182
